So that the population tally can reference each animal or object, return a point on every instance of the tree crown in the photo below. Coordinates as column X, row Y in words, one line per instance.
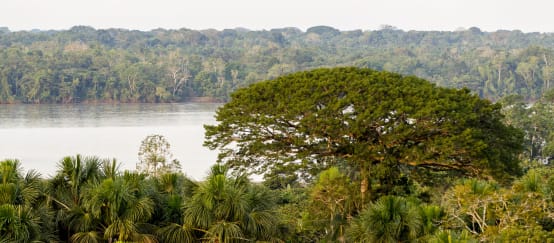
column 376, row 122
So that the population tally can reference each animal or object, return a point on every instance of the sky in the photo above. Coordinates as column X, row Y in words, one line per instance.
column 448, row 15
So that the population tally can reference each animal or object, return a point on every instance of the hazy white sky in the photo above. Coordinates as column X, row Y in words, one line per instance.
column 489, row 15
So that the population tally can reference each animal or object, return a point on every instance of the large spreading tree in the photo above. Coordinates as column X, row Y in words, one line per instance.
column 381, row 125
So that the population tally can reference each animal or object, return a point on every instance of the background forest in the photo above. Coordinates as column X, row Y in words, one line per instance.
column 83, row 64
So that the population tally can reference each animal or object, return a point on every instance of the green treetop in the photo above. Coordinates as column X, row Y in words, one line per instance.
column 381, row 125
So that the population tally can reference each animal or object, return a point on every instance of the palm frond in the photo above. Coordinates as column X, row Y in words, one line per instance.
column 224, row 232
column 175, row 233
column 86, row 237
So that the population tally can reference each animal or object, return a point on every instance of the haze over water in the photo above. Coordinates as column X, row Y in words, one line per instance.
column 41, row 135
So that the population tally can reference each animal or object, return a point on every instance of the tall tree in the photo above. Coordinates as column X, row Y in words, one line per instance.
column 381, row 124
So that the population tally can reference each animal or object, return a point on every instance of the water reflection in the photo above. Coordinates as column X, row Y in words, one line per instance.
column 103, row 115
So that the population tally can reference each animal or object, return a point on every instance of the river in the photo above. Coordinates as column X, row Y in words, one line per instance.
column 40, row 135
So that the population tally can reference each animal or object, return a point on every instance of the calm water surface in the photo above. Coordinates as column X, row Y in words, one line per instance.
column 40, row 135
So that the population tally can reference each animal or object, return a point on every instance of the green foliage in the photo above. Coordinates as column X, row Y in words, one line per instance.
column 537, row 121
column 331, row 203
column 448, row 236
column 90, row 200
column 280, row 178
column 24, row 215
column 155, row 157
column 121, row 206
column 173, row 189
column 383, row 126
column 389, row 219
column 231, row 209
column 115, row 65
column 431, row 217
column 469, row 204
column 498, row 214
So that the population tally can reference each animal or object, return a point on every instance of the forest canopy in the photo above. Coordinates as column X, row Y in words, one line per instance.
column 385, row 155
column 84, row 64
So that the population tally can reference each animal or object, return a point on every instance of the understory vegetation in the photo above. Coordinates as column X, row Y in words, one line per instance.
column 90, row 201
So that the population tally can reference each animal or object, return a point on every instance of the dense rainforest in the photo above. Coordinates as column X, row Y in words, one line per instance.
column 83, row 64
column 347, row 155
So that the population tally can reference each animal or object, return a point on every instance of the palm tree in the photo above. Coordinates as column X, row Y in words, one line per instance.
column 532, row 181
column 260, row 221
column 24, row 217
column 225, row 209
column 18, row 223
column 390, row 219
column 66, row 191
column 217, row 207
column 177, row 233
column 172, row 189
column 73, row 174
column 431, row 216
column 86, row 237
column 123, row 207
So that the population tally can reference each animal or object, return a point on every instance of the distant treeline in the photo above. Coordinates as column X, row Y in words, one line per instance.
column 83, row 64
